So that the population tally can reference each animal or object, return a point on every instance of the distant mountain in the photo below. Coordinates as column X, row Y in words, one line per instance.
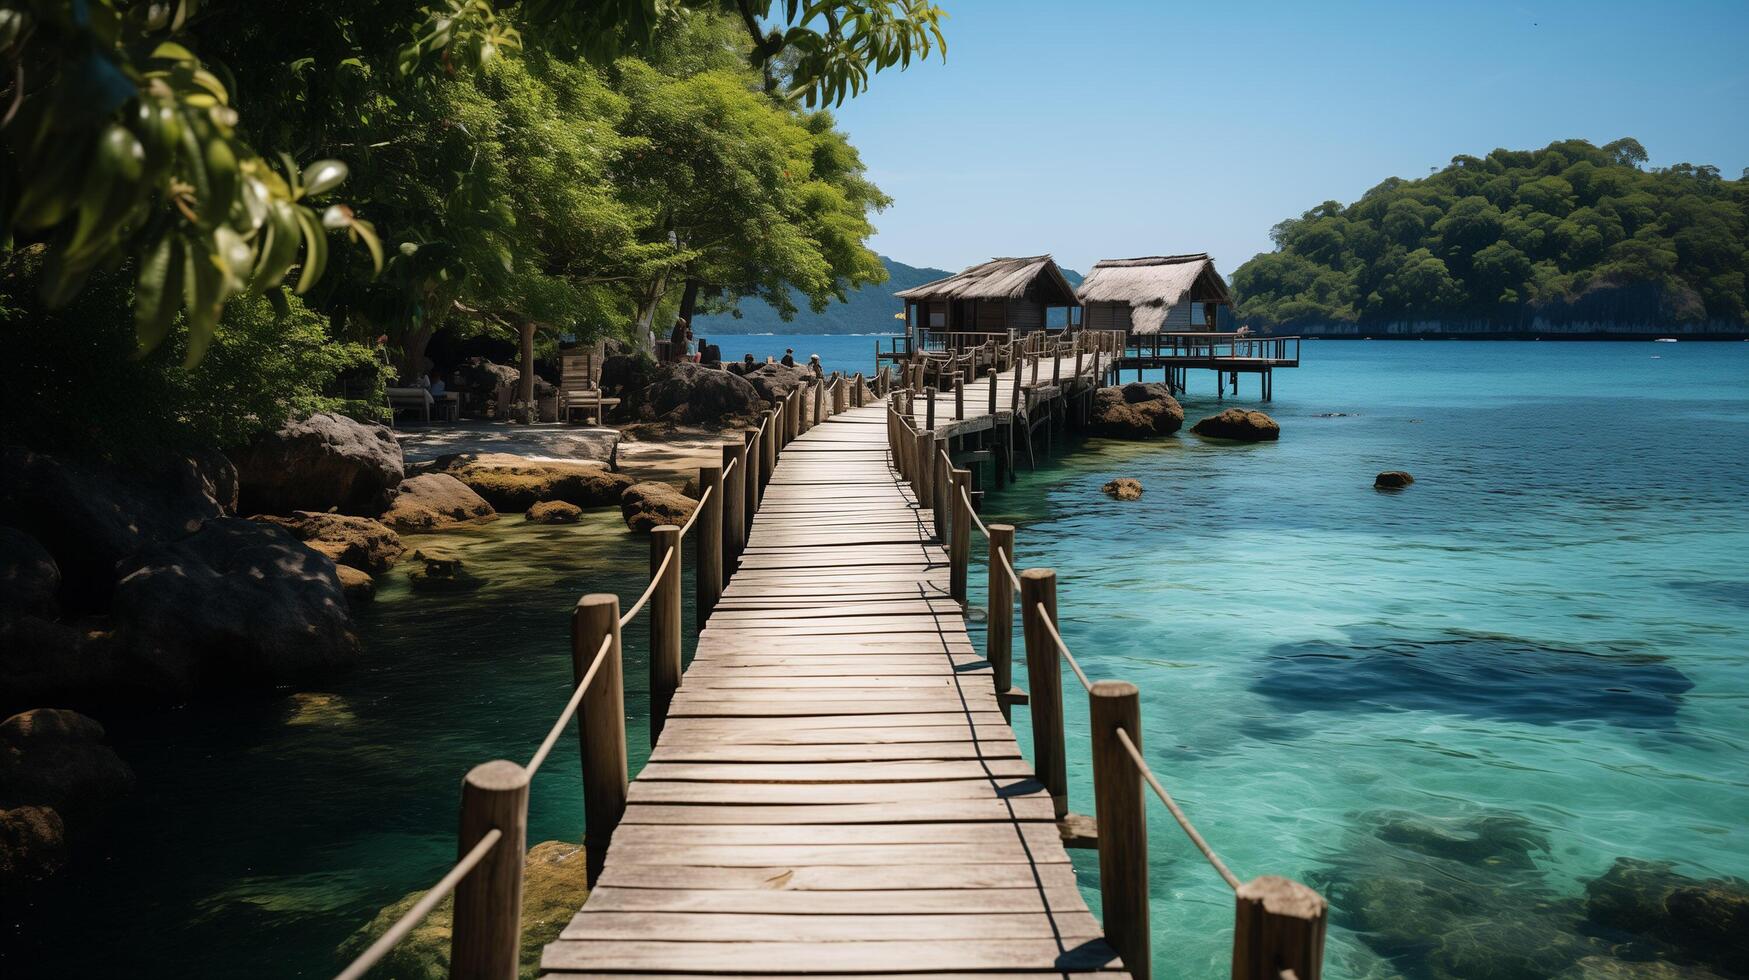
column 867, row 310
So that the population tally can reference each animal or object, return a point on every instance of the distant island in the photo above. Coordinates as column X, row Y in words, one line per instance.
column 1569, row 240
column 866, row 310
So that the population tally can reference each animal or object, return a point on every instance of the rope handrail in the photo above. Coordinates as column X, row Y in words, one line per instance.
column 649, row 590
column 1063, row 648
column 979, row 524
column 422, row 908
column 731, row 467
column 696, row 510
column 546, row 745
column 1008, row 566
column 1184, row 823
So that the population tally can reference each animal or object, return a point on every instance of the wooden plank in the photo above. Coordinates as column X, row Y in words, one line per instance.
column 729, row 927
column 910, row 956
column 1001, row 832
column 712, row 751
column 766, row 794
column 948, row 901
column 855, row 877
column 814, row 855
column 1026, row 809
column 909, row 772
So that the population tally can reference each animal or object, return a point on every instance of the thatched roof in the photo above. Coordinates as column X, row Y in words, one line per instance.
column 1009, row 278
column 1152, row 285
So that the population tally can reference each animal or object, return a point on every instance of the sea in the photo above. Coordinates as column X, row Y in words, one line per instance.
column 1450, row 708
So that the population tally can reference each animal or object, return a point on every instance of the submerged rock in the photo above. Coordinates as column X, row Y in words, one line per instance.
column 1239, row 425
column 435, row 502
column 1704, row 921
column 513, row 483
column 357, row 541
column 646, row 506
column 323, row 462
column 554, row 512
column 235, row 603
column 441, row 573
column 554, row 885
column 1135, row 411
column 356, row 584
column 1392, row 480
column 1123, row 488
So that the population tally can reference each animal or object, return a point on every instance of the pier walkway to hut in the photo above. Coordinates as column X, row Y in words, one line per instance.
column 834, row 788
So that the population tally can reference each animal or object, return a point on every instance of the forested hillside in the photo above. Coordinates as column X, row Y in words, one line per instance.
column 1571, row 232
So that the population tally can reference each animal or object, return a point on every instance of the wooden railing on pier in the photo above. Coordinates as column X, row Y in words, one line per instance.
column 1278, row 924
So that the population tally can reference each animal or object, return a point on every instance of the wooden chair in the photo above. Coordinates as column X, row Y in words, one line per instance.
column 580, row 387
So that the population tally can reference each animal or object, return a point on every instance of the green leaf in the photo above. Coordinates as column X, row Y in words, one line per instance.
column 315, row 249
column 204, row 291
column 323, row 176
column 157, row 294
column 221, row 175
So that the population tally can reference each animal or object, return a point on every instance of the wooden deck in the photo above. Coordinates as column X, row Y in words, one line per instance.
column 836, row 790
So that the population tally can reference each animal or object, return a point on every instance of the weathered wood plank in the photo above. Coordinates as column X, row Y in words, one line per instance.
column 908, row 956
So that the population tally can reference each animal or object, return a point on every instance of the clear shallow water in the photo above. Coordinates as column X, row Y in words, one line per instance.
column 1544, row 642
column 1568, row 570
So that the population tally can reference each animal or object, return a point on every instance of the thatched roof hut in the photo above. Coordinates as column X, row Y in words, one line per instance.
column 1154, row 294
column 989, row 298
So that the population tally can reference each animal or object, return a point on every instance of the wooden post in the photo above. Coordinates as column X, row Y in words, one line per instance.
column 999, row 618
column 819, row 403
column 923, row 442
column 772, row 439
column 959, row 397
column 1278, row 927
column 1044, row 681
column 1122, row 818
column 664, row 626
column 960, row 550
column 993, row 374
column 749, row 469
column 708, row 544
column 601, row 724
column 734, row 507
column 941, row 482
column 1035, row 369
column 485, row 940
column 1057, row 364
column 929, row 408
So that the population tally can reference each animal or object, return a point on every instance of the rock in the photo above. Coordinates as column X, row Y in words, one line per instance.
column 513, row 483
column 646, row 506
column 441, row 573
column 56, row 758
column 434, row 502
column 43, row 661
column 357, row 541
column 237, row 602
column 1706, row 921
column 91, row 515
column 33, row 848
column 1610, row 968
column 774, row 382
column 554, row 885
column 1135, row 411
column 29, row 577
column 1240, row 425
column 356, row 584
column 692, row 393
column 1124, row 488
column 626, row 377
column 320, row 463
column 1392, row 480
column 486, row 376
column 554, row 512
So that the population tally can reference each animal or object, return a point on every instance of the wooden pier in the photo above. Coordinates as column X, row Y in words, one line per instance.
column 834, row 788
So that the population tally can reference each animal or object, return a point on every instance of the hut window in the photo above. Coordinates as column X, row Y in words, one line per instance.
column 937, row 317
column 1196, row 314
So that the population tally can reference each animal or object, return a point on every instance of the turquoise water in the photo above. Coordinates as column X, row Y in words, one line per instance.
column 1540, row 643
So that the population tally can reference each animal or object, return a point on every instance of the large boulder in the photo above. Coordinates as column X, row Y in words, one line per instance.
column 646, row 506
column 434, row 502
column 357, row 541
column 29, row 577
column 324, row 462
column 554, row 883
column 1392, row 480
column 1135, row 411
column 775, row 381
column 688, row 392
column 626, row 376
column 91, row 515
column 33, row 848
column 553, row 512
column 1240, row 425
column 236, row 603
column 44, row 661
column 356, row 584
column 512, row 483
column 57, row 758
column 485, row 375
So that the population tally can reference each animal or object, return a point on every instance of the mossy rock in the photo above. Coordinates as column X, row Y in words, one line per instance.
column 554, row 885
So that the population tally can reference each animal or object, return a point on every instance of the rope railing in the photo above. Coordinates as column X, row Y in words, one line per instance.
column 1184, row 823
column 697, row 509
column 1044, row 617
column 649, row 590
column 582, row 688
column 422, row 908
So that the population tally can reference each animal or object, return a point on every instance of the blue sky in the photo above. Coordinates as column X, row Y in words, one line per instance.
column 1107, row 129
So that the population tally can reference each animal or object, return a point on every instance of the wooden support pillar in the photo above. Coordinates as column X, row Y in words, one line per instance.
column 922, row 442
column 1056, row 364
column 960, row 544
column 601, row 724
column 734, row 507
column 1034, row 359
column 1044, row 679
column 1278, row 928
column 773, row 440
column 959, row 397
column 819, row 403
column 1122, row 816
column 749, row 470
column 999, row 618
column 929, row 407
column 993, row 374
column 708, row 543
column 941, row 482
column 485, row 940
column 664, row 625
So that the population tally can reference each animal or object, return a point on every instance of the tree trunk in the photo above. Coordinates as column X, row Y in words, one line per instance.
column 413, row 345
column 647, row 304
column 525, row 385
column 689, row 300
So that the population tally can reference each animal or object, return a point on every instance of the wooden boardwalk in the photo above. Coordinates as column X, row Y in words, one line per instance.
column 836, row 790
